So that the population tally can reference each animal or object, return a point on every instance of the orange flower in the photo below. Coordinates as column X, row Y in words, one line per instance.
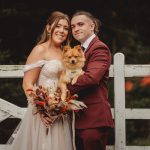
column 128, row 86
column 145, row 81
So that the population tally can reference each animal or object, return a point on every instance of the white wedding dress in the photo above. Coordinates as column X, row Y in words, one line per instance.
column 32, row 132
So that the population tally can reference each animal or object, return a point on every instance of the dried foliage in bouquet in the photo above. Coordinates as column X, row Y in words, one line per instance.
column 49, row 103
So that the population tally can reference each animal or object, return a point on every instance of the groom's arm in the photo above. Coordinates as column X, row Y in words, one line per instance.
column 98, row 63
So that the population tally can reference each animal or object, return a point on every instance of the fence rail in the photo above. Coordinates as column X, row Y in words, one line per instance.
column 119, row 70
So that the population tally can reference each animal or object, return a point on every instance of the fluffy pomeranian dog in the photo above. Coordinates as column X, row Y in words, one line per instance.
column 73, row 61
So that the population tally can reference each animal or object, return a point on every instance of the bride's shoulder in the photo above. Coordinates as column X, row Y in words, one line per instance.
column 39, row 48
column 36, row 54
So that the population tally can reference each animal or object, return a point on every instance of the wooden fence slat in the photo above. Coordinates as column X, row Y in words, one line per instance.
column 11, row 71
column 6, row 147
column 16, row 71
column 4, row 115
column 137, row 113
column 137, row 70
column 137, row 147
column 129, row 113
column 119, row 104
column 11, row 109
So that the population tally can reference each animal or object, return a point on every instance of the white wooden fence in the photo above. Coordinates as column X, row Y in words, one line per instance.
column 119, row 71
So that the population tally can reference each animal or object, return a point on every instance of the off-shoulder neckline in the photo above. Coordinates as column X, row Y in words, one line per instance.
column 43, row 60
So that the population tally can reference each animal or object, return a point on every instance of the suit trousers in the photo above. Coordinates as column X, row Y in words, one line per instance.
column 91, row 139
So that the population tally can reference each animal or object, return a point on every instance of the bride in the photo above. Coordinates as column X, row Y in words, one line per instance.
column 42, row 68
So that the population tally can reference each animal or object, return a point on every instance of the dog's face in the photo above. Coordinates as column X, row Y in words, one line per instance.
column 73, row 58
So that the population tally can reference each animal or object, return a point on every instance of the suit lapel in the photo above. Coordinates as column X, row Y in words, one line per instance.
column 88, row 51
column 92, row 42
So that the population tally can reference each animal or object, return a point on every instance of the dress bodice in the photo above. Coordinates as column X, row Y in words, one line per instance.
column 50, row 69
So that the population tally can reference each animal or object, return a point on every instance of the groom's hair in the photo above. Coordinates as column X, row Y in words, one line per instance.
column 96, row 21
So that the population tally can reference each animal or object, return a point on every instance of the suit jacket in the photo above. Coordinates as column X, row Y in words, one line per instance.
column 92, row 88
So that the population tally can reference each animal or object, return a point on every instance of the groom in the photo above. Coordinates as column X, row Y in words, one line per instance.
column 92, row 124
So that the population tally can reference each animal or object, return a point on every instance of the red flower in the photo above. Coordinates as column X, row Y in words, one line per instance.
column 77, row 110
column 64, row 109
column 73, row 97
column 40, row 103
column 145, row 81
column 128, row 86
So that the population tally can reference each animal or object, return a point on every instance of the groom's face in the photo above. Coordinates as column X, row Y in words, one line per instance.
column 82, row 28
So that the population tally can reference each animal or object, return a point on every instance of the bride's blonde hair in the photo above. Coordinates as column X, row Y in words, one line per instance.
column 54, row 18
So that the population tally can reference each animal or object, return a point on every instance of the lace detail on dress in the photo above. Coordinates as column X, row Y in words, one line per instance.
column 48, row 76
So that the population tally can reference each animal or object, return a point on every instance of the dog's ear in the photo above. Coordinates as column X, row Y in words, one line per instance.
column 78, row 47
column 66, row 48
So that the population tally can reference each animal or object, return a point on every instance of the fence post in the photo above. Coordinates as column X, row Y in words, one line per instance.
column 119, row 102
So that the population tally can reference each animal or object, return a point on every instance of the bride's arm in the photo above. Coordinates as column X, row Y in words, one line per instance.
column 31, row 75
column 29, row 79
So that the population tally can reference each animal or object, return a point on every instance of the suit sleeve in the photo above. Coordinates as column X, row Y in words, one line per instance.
column 98, row 63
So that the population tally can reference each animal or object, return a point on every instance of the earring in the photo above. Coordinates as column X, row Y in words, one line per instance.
column 48, row 33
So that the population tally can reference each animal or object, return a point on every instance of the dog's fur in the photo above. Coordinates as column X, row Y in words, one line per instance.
column 73, row 62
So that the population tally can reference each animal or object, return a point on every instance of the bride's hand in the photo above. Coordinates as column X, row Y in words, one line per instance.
column 46, row 120
column 28, row 94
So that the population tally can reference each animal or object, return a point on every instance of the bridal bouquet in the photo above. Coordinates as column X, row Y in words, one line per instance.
column 50, row 104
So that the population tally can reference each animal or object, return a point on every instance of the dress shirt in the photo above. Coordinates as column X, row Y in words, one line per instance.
column 87, row 42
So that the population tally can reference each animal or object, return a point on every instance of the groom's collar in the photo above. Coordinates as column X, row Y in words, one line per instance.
column 88, row 41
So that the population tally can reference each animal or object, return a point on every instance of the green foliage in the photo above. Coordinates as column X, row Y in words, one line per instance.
column 129, row 43
column 139, row 96
column 138, row 132
column 11, row 90
column 4, row 56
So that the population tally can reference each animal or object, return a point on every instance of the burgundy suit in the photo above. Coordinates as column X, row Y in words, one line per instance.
column 93, row 91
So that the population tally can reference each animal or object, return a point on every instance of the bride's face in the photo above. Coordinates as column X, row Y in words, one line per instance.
column 60, row 32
